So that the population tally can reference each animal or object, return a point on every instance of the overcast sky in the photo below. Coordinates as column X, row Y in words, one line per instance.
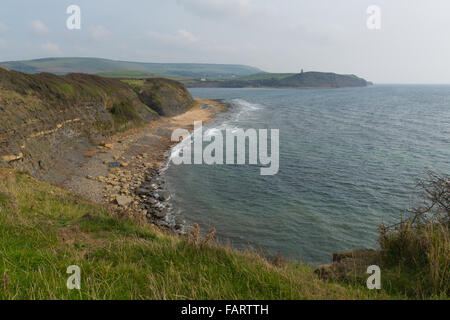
column 412, row 46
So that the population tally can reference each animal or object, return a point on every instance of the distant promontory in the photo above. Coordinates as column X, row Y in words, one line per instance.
column 300, row 80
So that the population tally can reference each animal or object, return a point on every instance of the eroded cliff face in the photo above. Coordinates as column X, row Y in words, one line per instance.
column 46, row 119
column 167, row 97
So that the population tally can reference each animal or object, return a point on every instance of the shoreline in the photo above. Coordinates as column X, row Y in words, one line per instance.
column 127, row 170
column 273, row 87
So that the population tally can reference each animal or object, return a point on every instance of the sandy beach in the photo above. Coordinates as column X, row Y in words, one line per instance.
column 125, row 169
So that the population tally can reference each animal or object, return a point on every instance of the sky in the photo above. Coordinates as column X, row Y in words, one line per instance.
column 412, row 44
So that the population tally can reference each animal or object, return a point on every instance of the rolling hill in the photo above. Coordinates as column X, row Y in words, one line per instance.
column 96, row 65
column 137, row 75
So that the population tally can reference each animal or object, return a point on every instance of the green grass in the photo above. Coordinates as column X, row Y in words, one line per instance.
column 414, row 254
column 416, row 250
column 123, row 112
column 266, row 76
column 95, row 65
column 136, row 84
column 25, row 94
column 416, row 260
column 43, row 230
column 138, row 75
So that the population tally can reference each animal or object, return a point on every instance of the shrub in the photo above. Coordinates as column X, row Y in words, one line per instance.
column 420, row 244
column 123, row 113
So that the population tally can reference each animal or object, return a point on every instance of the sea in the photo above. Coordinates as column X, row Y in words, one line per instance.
column 349, row 160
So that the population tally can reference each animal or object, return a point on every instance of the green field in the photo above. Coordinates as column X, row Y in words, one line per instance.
column 148, row 75
column 95, row 65
column 137, row 75
column 266, row 76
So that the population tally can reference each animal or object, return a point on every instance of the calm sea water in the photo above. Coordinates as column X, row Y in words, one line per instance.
column 349, row 160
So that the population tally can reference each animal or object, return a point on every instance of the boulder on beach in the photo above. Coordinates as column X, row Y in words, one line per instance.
column 142, row 191
column 123, row 201
column 164, row 196
column 159, row 215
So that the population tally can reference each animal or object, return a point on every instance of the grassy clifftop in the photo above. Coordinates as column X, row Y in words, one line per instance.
column 29, row 98
column 43, row 230
column 167, row 97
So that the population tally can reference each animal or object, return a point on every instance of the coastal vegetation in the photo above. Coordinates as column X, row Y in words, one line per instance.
column 123, row 113
column 414, row 254
column 190, row 74
column 139, row 75
column 44, row 115
column 258, row 80
column 44, row 230
column 266, row 76
column 301, row 80
column 167, row 97
column 417, row 249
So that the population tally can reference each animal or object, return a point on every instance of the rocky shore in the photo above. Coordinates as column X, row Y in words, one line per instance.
column 127, row 171
column 142, row 188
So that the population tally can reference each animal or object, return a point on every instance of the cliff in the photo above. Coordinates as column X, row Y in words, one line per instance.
column 167, row 97
column 323, row 80
column 45, row 117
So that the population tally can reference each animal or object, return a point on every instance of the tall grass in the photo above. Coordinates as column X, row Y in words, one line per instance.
column 416, row 251
column 43, row 230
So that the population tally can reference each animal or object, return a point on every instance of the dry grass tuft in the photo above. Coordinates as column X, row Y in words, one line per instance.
column 420, row 243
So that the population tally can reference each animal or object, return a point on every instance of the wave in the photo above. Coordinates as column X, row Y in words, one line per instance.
column 243, row 108
column 246, row 105
column 240, row 108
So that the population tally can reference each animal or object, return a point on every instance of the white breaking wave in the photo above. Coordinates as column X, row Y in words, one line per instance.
column 219, row 129
column 241, row 107
column 247, row 105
